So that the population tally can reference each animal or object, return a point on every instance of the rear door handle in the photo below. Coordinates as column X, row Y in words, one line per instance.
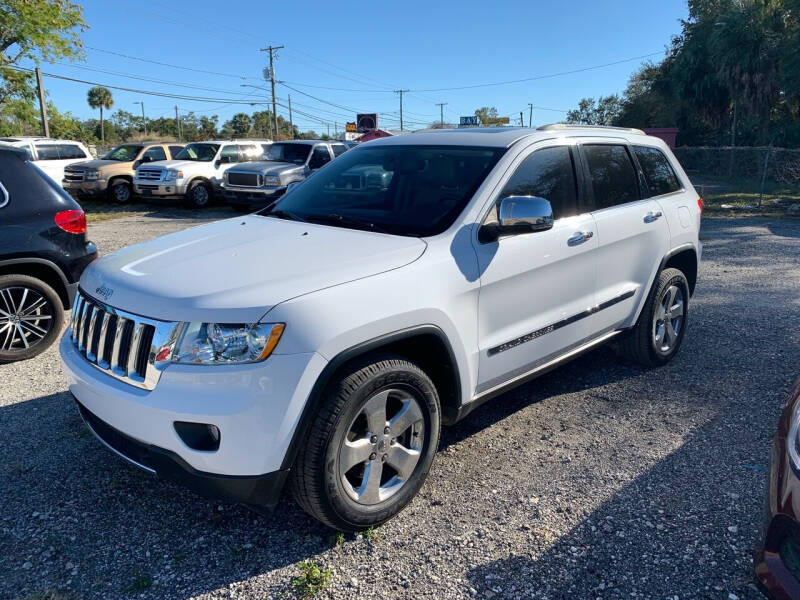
column 653, row 216
column 579, row 237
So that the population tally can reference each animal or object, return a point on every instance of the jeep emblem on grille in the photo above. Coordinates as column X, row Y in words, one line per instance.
column 105, row 292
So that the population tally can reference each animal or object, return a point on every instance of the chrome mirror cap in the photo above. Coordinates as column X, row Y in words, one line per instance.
column 528, row 213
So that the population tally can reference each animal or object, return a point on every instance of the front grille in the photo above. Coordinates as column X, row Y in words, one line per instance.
column 245, row 179
column 145, row 186
column 129, row 347
column 150, row 174
column 73, row 175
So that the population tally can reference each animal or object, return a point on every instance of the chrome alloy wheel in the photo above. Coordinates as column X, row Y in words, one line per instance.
column 382, row 446
column 668, row 319
column 122, row 192
column 25, row 318
column 200, row 195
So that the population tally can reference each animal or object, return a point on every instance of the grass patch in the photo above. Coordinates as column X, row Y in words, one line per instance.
column 337, row 540
column 371, row 534
column 312, row 580
column 739, row 204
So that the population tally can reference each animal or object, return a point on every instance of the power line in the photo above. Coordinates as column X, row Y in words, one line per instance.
column 163, row 64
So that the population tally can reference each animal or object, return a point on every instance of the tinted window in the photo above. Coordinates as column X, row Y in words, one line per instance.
column 338, row 149
column 70, row 151
column 173, row 150
column 319, row 157
column 614, row 180
column 403, row 190
column 547, row 173
column 661, row 179
column 291, row 153
column 155, row 153
column 229, row 154
column 47, row 152
column 124, row 153
column 199, row 152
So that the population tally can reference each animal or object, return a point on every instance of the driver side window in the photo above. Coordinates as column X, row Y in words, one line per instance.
column 550, row 174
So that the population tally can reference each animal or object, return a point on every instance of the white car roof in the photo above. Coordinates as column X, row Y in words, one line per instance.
column 503, row 137
column 17, row 139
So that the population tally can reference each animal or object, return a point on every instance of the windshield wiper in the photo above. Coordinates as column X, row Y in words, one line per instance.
column 336, row 219
column 285, row 214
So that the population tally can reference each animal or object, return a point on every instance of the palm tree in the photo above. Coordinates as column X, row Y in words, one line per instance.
column 100, row 97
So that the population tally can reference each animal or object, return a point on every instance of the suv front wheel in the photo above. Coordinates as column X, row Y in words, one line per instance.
column 31, row 316
column 198, row 195
column 371, row 446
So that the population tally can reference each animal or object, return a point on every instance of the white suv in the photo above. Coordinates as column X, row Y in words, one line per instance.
column 195, row 174
column 323, row 341
column 51, row 155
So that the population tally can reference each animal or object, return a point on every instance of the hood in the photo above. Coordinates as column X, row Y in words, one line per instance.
column 266, row 168
column 236, row 270
column 96, row 164
column 179, row 165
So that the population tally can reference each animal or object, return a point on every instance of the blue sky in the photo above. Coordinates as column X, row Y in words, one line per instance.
column 364, row 50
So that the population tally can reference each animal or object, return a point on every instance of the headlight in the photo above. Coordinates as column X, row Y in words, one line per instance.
column 272, row 180
column 222, row 344
column 172, row 175
column 92, row 175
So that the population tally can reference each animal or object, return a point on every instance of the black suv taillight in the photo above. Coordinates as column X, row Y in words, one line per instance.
column 71, row 221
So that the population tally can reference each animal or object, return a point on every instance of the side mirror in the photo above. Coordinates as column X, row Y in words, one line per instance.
column 136, row 164
column 146, row 159
column 517, row 215
column 306, row 170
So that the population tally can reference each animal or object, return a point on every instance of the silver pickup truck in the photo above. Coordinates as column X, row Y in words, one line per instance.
column 254, row 185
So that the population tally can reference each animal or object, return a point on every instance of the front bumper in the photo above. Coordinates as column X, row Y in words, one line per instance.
column 148, row 188
column 255, row 406
column 777, row 557
column 97, row 187
column 262, row 491
column 253, row 196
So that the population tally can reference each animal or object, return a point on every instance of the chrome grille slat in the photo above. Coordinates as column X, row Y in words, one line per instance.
column 150, row 174
column 126, row 346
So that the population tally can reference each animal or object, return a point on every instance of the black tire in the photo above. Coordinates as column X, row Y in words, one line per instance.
column 198, row 195
column 641, row 345
column 316, row 482
column 120, row 191
column 18, row 341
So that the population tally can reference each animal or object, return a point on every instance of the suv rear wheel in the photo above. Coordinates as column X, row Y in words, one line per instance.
column 31, row 316
column 659, row 332
column 371, row 446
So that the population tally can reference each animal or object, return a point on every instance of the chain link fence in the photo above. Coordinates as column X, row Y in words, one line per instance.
column 762, row 165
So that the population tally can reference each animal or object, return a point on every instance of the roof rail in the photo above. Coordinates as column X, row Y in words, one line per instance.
column 557, row 126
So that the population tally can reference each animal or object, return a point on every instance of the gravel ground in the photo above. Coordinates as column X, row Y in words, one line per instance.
column 598, row 480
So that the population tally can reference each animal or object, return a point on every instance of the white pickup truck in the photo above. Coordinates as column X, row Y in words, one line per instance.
column 195, row 174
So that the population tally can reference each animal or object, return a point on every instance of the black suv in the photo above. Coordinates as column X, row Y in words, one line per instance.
column 43, row 251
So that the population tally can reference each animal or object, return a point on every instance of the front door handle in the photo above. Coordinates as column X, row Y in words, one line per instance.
column 579, row 237
column 653, row 216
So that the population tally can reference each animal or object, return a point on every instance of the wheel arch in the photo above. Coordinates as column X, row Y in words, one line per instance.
column 114, row 178
column 42, row 269
column 425, row 345
column 683, row 258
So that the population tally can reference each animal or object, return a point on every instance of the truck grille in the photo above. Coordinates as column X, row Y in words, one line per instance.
column 244, row 179
column 131, row 348
column 73, row 174
column 150, row 174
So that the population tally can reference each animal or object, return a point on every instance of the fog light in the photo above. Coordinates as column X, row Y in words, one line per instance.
column 198, row 436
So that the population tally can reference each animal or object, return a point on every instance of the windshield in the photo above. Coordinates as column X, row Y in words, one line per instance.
column 125, row 153
column 200, row 152
column 291, row 153
column 403, row 190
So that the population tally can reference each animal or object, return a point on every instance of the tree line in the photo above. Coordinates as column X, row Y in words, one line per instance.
column 731, row 77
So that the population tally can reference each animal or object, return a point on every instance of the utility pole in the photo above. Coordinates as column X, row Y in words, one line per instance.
column 42, row 105
column 144, row 119
column 521, row 121
column 177, row 123
column 291, row 124
column 329, row 129
column 401, row 92
column 530, row 115
column 441, row 106
column 271, row 50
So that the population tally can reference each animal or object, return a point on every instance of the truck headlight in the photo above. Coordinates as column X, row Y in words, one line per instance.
column 172, row 175
column 91, row 174
column 272, row 180
column 226, row 343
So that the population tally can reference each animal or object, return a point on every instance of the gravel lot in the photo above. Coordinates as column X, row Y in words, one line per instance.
column 598, row 480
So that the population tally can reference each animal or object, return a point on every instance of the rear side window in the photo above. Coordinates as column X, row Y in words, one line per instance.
column 613, row 177
column 155, row 153
column 338, row 149
column 47, row 152
column 658, row 172
column 548, row 173
column 70, row 151
column 173, row 150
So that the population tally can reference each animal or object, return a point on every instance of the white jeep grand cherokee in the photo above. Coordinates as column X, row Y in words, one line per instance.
column 323, row 341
